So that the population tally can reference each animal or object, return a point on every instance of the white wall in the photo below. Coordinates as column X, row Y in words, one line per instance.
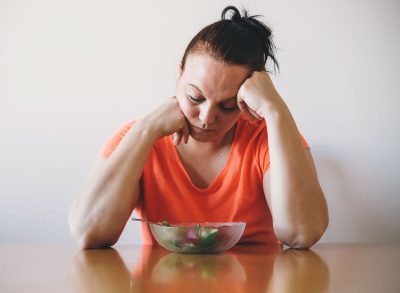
column 71, row 72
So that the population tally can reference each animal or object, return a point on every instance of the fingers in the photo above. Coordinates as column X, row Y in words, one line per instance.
column 185, row 132
column 254, row 114
column 177, row 137
column 242, row 104
column 174, row 138
column 182, row 135
column 244, row 108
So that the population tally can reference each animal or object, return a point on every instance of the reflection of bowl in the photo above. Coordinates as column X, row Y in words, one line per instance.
column 198, row 237
column 181, row 270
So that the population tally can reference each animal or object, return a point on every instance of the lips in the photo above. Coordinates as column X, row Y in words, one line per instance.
column 202, row 129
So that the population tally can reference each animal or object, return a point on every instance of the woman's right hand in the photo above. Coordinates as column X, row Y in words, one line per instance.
column 169, row 119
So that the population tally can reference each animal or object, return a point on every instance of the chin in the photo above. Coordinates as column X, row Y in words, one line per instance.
column 203, row 138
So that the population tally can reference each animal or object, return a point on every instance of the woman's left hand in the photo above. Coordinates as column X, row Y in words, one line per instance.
column 257, row 95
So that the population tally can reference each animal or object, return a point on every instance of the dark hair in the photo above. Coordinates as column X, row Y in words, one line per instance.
column 240, row 40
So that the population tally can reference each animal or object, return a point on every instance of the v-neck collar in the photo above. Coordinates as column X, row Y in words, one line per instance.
column 215, row 184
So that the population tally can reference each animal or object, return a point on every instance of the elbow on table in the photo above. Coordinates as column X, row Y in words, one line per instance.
column 92, row 242
column 302, row 241
column 300, row 238
column 87, row 240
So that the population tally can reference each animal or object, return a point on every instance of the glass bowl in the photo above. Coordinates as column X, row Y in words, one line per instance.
column 197, row 237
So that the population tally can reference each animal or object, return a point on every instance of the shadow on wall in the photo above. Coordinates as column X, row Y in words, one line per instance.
column 356, row 204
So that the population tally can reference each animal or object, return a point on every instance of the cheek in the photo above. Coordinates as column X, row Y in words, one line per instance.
column 189, row 110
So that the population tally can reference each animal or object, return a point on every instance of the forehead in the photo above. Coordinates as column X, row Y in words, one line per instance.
column 217, row 80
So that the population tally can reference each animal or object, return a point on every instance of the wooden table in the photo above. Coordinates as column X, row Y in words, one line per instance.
column 324, row 268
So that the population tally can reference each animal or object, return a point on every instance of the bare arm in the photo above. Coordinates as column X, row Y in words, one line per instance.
column 99, row 213
column 297, row 203
column 111, row 191
column 291, row 186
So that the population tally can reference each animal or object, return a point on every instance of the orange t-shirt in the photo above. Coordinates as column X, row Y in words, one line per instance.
column 167, row 192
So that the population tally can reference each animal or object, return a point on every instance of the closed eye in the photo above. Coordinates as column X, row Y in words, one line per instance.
column 221, row 106
column 228, row 109
column 230, row 105
column 194, row 99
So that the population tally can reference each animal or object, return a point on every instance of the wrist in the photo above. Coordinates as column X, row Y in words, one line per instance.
column 149, row 127
column 274, row 109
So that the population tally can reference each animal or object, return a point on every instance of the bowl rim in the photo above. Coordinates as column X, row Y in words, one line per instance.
column 201, row 224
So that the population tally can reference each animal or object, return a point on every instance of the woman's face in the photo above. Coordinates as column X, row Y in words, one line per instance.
column 206, row 91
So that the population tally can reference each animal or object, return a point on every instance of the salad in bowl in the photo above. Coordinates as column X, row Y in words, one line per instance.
column 190, row 237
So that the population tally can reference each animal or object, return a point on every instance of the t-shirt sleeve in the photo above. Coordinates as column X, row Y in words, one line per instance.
column 263, row 149
column 115, row 139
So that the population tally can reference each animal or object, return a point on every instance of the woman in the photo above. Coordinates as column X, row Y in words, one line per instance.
column 225, row 148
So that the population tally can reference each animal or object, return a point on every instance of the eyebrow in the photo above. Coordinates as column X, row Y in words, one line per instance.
column 196, row 87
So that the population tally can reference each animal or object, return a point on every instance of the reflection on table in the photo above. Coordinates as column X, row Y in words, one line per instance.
column 255, row 268
column 334, row 268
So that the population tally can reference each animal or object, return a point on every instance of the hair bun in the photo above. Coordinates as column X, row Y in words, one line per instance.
column 246, row 21
column 236, row 17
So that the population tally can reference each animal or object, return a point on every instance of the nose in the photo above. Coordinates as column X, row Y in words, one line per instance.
column 207, row 115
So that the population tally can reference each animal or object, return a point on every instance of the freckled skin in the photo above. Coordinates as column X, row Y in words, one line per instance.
column 217, row 82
